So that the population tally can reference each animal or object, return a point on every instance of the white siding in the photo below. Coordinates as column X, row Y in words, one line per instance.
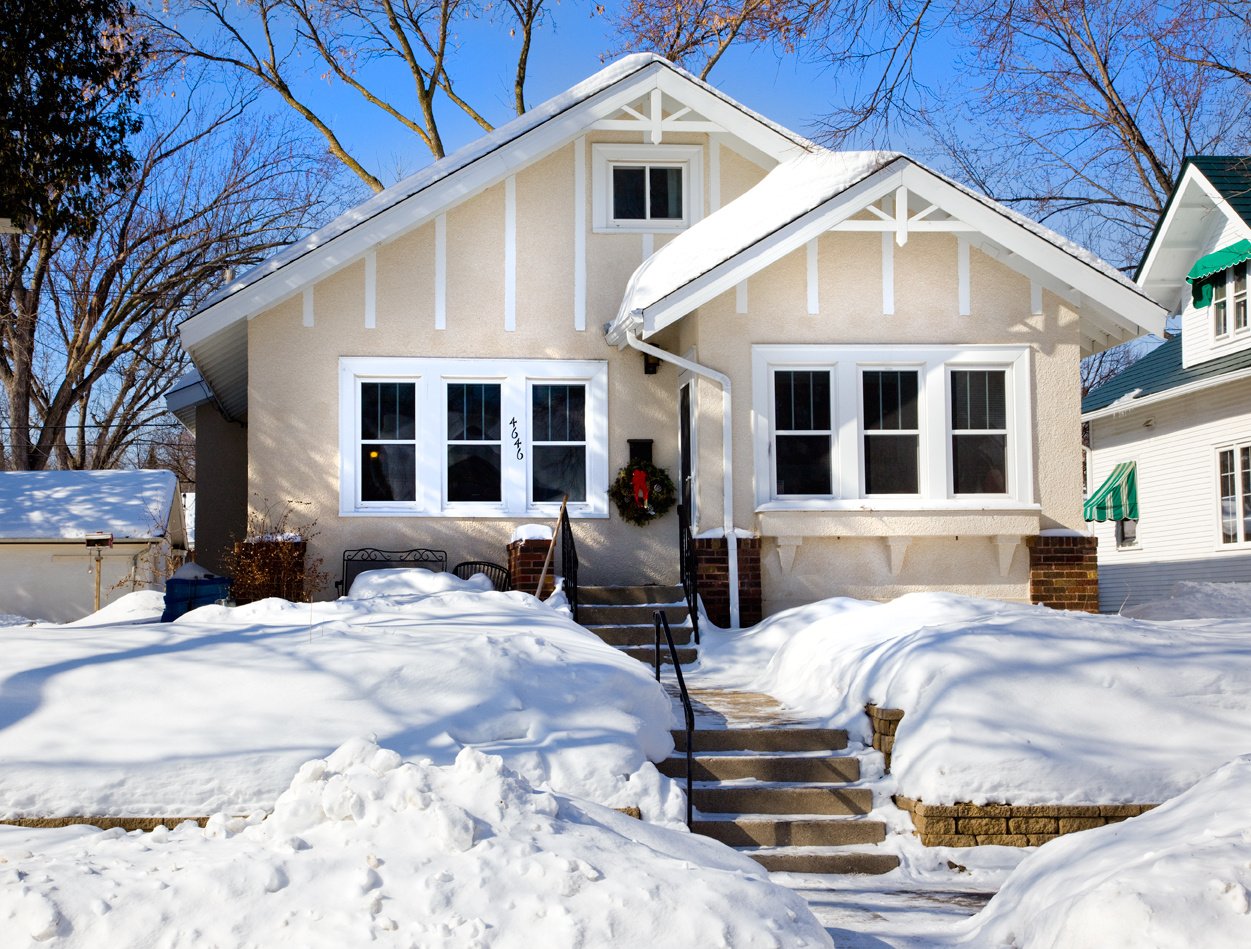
column 1198, row 344
column 1177, row 494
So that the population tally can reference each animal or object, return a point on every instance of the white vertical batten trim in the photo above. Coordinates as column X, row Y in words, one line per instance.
column 714, row 174
column 740, row 297
column 1035, row 297
column 579, row 234
column 814, row 299
column 649, row 245
column 308, row 306
column 371, row 290
column 510, row 253
column 440, row 272
column 888, row 273
column 962, row 274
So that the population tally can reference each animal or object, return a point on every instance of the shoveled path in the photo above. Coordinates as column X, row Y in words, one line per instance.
column 889, row 911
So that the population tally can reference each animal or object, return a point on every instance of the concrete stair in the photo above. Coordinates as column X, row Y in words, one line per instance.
column 622, row 617
column 782, row 796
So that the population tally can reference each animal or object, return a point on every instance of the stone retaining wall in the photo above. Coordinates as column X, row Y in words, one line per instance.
column 885, row 721
column 1009, row 825
column 104, row 823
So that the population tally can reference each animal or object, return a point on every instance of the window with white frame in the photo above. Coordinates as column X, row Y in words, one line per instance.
column 893, row 426
column 646, row 187
column 473, row 437
column 1234, row 481
column 1229, row 295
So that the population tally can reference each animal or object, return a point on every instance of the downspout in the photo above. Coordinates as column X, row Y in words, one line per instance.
column 727, row 456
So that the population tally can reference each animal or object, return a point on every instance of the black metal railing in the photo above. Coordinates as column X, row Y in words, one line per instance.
column 662, row 622
column 569, row 562
column 687, row 567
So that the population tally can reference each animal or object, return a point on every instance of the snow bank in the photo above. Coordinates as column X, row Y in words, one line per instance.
column 141, row 606
column 1006, row 702
column 1193, row 599
column 414, row 581
column 13, row 619
column 1177, row 876
column 215, row 711
column 362, row 846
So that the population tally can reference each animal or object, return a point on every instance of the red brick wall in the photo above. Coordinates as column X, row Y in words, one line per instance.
column 713, row 579
column 1064, row 572
column 525, row 563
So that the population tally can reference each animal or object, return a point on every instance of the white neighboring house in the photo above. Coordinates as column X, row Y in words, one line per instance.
column 45, row 516
column 1171, row 436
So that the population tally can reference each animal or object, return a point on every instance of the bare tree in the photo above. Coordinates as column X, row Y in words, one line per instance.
column 89, row 342
column 279, row 43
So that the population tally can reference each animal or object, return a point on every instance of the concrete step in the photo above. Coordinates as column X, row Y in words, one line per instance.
column 764, row 768
column 782, row 799
column 628, row 615
column 794, row 832
column 647, row 654
column 763, row 739
column 618, row 596
column 795, row 860
column 639, row 635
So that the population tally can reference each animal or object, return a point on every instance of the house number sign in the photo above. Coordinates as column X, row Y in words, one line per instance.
column 512, row 422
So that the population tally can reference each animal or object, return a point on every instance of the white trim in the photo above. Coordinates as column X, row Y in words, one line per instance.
column 690, row 158
column 510, row 253
column 308, row 311
column 579, row 234
column 934, row 364
column 648, row 244
column 888, row 275
column 1035, row 298
column 440, row 272
column 431, row 376
column 814, row 299
column 740, row 297
column 714, row 173
column 962, row 274
column 371, row 290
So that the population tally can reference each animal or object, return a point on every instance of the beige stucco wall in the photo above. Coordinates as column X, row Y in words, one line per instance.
column 846, row 552
column 293, row 438
column 221, row 485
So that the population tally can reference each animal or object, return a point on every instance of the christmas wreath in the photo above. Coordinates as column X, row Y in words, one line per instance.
column 642, row 492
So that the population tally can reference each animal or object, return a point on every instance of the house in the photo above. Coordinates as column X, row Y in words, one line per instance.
column 1170, row 437
column 57, row 526
column 861, row 375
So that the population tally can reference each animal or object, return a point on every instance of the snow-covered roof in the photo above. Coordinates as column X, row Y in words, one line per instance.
column 66, row 505
column 809, row 193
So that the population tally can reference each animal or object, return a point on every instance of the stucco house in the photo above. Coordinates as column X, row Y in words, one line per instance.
column 1170, row 437
column 133, row 520
column 861, row 374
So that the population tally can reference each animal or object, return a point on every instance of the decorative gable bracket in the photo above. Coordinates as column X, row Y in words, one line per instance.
column 901, row 223
column 647, row 116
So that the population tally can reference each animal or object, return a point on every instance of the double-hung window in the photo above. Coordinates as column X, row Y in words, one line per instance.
column 856, row 427
column 1229, row 296
column 650, row 188
column 803, row 432
column 473, row 437
column 1234, row 477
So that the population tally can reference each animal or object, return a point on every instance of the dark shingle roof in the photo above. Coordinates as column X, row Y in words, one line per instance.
column 1161, row 370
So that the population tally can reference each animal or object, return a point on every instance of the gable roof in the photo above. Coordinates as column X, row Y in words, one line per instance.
column 66, row 505
column 1158, row 375
column 1210, row 190
column 216, row 334
column 813, row 193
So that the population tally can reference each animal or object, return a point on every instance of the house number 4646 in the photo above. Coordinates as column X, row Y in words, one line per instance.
column 512, row 422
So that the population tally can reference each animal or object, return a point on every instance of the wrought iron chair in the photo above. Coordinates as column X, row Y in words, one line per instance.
column 356, row 562
column 499, row 576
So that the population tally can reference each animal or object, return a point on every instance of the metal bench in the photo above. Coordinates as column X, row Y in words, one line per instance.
column 499, row 576
column 356, row 562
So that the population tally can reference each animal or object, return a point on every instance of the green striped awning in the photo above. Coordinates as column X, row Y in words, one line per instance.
column 1117, row 497
column 1210, row 264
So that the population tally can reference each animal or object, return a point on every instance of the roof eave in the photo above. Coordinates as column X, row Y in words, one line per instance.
column 1154, row 398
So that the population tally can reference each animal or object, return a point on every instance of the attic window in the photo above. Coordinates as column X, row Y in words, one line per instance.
column 648, row 188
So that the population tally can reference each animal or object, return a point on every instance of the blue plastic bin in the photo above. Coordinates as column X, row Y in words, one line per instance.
column 182, row 596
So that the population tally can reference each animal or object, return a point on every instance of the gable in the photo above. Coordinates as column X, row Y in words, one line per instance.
column 880, row 192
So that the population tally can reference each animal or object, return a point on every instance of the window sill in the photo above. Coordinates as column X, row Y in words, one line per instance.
column 643, row 227
column 909, row 504
column 479, row 513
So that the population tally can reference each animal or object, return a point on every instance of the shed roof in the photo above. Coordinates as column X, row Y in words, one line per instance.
column 66, row 505
column 1158, row 372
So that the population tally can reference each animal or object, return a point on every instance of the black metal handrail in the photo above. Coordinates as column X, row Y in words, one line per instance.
column 662, row 621
column 687, row 566
column 569, row 562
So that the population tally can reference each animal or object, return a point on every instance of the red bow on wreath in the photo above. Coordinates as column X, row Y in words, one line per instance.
column 640, row 487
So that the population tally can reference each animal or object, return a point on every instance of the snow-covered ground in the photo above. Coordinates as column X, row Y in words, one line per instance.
column 1005, row 702
column 118, row 716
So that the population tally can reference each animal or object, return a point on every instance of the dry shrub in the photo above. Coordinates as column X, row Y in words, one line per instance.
column 272, row 560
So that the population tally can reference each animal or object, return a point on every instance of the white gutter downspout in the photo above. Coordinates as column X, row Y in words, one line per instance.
column 727, row 456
